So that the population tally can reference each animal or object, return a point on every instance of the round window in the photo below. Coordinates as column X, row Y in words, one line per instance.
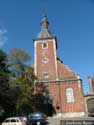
column 45, row 60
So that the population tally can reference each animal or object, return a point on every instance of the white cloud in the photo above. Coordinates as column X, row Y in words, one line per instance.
column 3, row 37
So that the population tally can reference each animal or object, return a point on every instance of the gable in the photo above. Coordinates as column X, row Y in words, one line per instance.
column 64, row 73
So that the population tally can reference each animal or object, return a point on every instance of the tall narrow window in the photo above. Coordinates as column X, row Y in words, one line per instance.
column 45, row 76
column 70, row 95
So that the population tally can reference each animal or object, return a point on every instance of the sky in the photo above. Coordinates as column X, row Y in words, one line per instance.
column 71, row 22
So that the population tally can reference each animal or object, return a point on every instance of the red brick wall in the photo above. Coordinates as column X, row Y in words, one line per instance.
column 58, row 91
column 64, row 73
column 76, row 105
column 50, row 66
column 91, row 84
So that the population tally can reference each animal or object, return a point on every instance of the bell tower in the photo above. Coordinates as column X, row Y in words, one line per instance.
column 45, row 65
column 62, row 85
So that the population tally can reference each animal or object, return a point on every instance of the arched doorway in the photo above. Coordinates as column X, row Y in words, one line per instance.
column 90, row 107
column 48, row 104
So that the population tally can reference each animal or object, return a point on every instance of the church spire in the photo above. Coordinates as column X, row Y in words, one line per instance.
column 44, row 23
column 44, row 33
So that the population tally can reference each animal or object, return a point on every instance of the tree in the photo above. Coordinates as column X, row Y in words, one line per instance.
column 23, row 77
column 16, row 82
column 19, row 55
column 7, row 94
column 17, row 59
column 38, row 102
column 3, row 65
column 27, row 88
column 3, row 73
column 42, row 103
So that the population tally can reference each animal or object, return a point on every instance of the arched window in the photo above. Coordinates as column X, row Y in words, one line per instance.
column 90, row 106
column 44, row 45
column 69, row 95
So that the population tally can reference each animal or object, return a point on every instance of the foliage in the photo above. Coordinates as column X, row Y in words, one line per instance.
column 19, row 55
column 17, row 58
column 23, row 77
column 9, row 99
column 38, row 101
column 3, row 71
column 16, row 82
column 6, row 94
column 3, row 64
column 27, row 87
column 17, row 85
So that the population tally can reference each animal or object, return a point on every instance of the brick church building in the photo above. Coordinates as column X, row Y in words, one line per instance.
column 61, row 84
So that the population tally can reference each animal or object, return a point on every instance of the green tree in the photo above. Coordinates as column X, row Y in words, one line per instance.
column 18, row 58
column 23, row 77
column 3, row 76
column 27, row 88
column 4, row 72
column 42, row 103
column 7, row 94
column 38, row 101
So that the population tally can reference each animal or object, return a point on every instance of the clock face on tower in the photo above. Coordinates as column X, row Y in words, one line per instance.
column 45, row 60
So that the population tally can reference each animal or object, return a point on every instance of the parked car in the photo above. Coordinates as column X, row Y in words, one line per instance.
column 14, row 121
column 90, row 114
column 38, row 117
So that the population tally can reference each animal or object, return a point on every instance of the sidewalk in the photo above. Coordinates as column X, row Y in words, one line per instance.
column 54, row 121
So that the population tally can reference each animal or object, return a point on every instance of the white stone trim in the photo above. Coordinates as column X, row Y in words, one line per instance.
column 54, row 42
column 45, row 42
column 73, row 114
column 35, row 59
column 69, row 115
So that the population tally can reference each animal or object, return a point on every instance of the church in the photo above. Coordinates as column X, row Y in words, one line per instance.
column 62, row 85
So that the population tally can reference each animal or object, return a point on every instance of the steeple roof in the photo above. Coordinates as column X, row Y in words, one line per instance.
column 44, row 33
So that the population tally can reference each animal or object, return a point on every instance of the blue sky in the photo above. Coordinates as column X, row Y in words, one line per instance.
column 71, row 21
